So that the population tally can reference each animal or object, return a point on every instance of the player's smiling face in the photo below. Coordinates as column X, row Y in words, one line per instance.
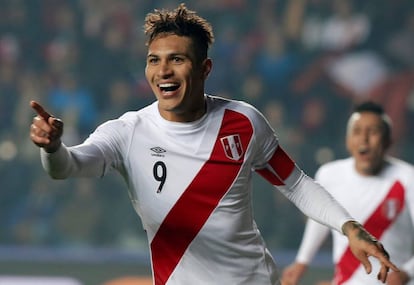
column 366, row 143
column 177, row 78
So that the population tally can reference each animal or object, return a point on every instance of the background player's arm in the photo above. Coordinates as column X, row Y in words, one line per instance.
column 313, row 237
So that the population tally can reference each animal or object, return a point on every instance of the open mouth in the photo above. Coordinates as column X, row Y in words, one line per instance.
column 364, row 152
column 168, row 87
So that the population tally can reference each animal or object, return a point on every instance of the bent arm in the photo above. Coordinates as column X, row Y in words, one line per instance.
column 313, row 237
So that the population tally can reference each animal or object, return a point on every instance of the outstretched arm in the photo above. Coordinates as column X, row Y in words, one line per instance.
column 316, row 202
column 59, row 161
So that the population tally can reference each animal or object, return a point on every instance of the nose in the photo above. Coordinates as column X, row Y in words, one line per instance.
column 365, row 136
column 165, row 69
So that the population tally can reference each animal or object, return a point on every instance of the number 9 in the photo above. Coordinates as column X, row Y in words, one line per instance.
column 160, row 174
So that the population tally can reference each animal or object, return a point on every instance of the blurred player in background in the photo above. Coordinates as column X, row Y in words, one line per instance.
column 188, row 160
column 378, row 190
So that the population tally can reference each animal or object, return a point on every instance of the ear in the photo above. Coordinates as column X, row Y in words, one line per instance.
column 206, row 67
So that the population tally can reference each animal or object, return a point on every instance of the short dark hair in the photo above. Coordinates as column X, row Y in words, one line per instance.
column 373, row 107
column 182, row 22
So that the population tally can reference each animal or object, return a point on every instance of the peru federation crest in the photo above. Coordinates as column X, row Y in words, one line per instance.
column 232, row 146
column 390, row 209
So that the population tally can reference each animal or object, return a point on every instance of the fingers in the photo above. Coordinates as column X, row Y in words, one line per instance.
column 40, row 111
column 382, row 255
column 288, row 278
column 384, row 258
column 365, row 263
column 384, row 270
column 45, row 130
column 386, row 265
column 382, row 274
column 293, row 273
column 40, row 132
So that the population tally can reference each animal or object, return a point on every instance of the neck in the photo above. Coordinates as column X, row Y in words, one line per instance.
column 186, row 115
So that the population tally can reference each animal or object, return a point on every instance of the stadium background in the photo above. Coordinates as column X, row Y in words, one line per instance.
column 304, row 63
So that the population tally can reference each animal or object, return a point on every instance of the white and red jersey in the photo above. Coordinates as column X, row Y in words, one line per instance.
column 384, row 204
column 191, row 185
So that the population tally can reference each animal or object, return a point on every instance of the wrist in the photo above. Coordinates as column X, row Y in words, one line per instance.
column 347, row 226
column 53, row 148
column 350, row 226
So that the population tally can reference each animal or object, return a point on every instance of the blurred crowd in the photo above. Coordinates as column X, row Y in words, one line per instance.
column 304, row 63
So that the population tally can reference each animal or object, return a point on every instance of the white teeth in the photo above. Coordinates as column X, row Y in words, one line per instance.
column 167, row 85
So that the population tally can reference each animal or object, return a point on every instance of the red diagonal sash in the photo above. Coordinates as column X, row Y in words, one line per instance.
column 193, row 208
column 279, row 168
column 376, row 224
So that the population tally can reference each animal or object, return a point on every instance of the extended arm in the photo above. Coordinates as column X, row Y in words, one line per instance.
column 58, row 160
column 84, row 160
column 315, row 202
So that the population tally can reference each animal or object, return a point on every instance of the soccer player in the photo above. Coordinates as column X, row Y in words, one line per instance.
column 376, row 189
column 188, row 160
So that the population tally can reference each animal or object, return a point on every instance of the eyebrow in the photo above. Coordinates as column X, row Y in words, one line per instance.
column 170, row 54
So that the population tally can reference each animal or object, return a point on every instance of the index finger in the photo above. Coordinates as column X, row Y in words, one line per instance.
column 39, row 110
column 386, row 262
column 386, row 259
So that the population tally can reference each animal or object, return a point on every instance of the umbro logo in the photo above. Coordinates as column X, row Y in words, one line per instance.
column 157, row 151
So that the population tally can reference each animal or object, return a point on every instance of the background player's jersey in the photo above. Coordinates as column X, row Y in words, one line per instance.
column 190, row 184
column 384, row 204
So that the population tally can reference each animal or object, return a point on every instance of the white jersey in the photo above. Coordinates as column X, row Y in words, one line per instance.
column 191, row 185
column 384, row 204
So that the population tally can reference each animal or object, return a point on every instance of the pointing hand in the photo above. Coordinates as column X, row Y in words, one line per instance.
column 46, row 130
